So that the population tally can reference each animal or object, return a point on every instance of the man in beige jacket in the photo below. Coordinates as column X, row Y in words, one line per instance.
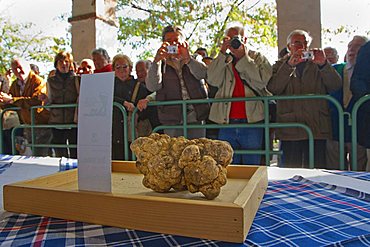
column 238, row 72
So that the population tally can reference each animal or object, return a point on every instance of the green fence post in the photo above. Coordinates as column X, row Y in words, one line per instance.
column 2, row 127
column 354, row 129
column 125, row 129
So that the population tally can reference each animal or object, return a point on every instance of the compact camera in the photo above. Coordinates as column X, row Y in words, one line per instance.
column 236, row 42
column 307, row 55
column 172, row 49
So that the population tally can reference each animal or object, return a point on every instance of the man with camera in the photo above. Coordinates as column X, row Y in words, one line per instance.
column 175, row 75
column 239, row 72
column 304, row 71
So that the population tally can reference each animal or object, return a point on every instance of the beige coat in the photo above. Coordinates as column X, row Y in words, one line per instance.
column 313, row 113
column 254, row 68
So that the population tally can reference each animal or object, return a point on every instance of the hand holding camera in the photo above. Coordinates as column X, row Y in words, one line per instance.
column 319, row 56
column 297, row 57
column 235, row 44
column 165, row 51
column 176, row 50
column 237, row 47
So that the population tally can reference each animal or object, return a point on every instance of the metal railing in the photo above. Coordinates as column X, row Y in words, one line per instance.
column 266, row 125
column 185, row 126
column 2, row 127
column 33, row 125
column 353, row 118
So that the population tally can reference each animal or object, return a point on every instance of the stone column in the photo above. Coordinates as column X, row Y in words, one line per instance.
column 94, row 25
column 299, row 14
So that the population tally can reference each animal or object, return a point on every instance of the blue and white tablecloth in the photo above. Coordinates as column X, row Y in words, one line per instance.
column 4, row 165
column 294, row 212
column 358, row 175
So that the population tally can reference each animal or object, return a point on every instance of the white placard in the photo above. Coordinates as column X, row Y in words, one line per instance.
column 95, row 132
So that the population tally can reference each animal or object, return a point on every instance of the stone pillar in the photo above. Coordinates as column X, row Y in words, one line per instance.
column 299, row 14
column 94, row 25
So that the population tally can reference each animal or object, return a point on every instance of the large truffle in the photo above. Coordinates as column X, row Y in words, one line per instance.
column 177, row 163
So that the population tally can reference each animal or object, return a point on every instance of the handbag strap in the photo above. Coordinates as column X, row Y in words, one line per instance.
column 136, row 90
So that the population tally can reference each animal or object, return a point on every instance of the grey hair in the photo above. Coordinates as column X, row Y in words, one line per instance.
column 331, row 48
column 364, row 38
column 101, row 51
column 239, row 29
column 147, row 63
column 300, row 32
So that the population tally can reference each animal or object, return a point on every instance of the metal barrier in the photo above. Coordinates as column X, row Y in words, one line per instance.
column 266, row 124
column 2, row 127
column 355, row 109
column 63, row 126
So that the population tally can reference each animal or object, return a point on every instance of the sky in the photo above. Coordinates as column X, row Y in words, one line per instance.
column 44, row 14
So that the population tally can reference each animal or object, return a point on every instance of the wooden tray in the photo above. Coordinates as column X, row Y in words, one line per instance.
column 131, row 205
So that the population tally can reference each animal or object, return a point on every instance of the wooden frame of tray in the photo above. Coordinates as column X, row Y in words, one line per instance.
column 131, row 205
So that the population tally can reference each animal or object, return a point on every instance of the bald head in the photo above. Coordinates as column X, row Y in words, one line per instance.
column 21, row 68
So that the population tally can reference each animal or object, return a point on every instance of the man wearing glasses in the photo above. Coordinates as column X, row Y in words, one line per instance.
column 304, row 71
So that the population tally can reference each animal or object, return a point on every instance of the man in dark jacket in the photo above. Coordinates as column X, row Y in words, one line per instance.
column 175, row 75
column 344, row 97
column 303, row 72
column 360, row 86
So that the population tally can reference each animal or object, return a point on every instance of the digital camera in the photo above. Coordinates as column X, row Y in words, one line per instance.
column 236, row 42
column 172, row 49
column 307, row 55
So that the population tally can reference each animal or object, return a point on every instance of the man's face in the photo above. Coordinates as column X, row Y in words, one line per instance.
column 232, row 33
column 141, row 71
column 297, row 42
column 172, row 37
column 99, row 61
column 20, row 69
column 331, row 56
column 353, row 48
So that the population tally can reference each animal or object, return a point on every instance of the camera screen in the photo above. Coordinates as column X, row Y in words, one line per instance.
column 172, row 49
column 308, row 55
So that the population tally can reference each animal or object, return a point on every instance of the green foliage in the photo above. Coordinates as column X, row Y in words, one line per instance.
column 142, row 21
column 17, row 41
column 344, row 31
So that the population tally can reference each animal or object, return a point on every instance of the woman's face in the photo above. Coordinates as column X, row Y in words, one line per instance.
column 122, row 69
column 63, row 65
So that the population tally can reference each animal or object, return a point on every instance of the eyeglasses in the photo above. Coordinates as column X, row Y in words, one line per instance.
column 299, row 44
column 124, row 66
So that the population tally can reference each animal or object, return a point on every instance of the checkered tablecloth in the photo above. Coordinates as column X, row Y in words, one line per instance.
column 66, row 164
column 4, row 165
column 294, row 212
column 358, row 175
column 6, row 157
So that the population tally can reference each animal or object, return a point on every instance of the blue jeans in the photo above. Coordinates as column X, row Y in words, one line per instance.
column 243, row 139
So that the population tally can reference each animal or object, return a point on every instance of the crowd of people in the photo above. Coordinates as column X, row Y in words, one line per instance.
column 178, row 74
